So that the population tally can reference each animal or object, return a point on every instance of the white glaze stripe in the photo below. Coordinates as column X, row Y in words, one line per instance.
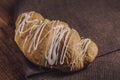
column 84, row 43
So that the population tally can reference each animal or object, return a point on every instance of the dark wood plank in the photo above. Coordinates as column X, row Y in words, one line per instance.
column 11, row 66
column 6, row 11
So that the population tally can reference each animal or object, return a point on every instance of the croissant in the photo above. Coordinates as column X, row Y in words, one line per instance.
column 52, row 43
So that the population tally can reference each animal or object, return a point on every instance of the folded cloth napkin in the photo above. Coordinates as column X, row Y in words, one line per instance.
column 98, row 20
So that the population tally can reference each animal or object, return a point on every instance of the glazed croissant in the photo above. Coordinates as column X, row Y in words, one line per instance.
column 53, row 44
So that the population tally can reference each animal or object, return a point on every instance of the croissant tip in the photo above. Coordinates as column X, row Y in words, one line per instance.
column 92, row 52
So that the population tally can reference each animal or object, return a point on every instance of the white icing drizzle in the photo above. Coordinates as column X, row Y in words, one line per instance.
column 53, row 52
column 59, row 33
column 84, row 43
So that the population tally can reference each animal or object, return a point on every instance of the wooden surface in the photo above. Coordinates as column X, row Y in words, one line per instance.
column 97, row 19
column 10, row 57
column 6, row 11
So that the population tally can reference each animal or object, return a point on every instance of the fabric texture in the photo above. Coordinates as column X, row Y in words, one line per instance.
column 98, row 20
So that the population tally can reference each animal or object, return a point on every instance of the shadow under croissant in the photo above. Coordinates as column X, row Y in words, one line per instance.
column 55, row 72
column 39, row 71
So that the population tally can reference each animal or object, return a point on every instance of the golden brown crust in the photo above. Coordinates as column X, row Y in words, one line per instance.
column 38, row 56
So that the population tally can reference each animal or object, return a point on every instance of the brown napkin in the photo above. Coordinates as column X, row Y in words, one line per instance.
column 97, row 19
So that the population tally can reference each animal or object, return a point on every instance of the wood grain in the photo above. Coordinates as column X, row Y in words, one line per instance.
column 10, row 57
column 6, row 11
